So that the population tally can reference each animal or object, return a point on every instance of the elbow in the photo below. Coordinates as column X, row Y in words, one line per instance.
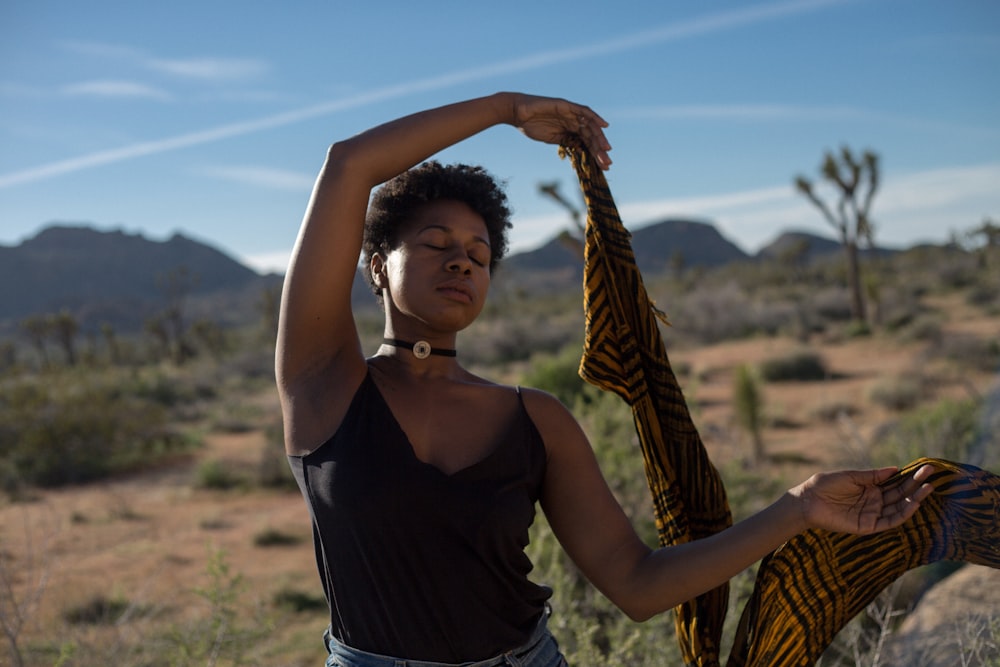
column 639, row 606
column 639, row 613
column 340, row 155
column 638, row 616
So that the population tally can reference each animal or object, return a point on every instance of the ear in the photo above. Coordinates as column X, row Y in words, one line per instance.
column 377, row 268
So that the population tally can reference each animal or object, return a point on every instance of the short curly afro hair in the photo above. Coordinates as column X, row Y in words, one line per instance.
column 394, row 202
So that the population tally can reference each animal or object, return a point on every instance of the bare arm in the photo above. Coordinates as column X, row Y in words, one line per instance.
column 600, row 539
column 318, row 347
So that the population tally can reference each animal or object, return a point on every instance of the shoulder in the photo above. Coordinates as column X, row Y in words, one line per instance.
column 554, row 421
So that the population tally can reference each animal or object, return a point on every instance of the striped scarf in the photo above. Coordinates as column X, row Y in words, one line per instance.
column 811, row 586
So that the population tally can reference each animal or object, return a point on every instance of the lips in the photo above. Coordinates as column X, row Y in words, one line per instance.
column 457, row 289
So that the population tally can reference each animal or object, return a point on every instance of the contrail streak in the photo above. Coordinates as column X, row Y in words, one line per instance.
column 675, row 31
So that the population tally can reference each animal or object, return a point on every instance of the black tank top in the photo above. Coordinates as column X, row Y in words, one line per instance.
column 415, row 563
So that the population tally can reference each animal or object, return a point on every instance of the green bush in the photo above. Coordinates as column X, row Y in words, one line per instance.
column 272, row 537
column 897, row 393
column 798, row 366
column 72, row 428
column 970, row 351
column 748, row 405
column 559, row 375
column 214, row 474
column 98, row 610
column 299, row 602
column 951, row 430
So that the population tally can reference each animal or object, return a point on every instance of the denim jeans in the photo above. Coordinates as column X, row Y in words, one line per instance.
column 539, row 651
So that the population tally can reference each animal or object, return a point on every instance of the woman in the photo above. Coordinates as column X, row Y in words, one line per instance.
column 422, row 478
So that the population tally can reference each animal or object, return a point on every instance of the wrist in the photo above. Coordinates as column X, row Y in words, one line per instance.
column 792, row 507
column 505, row 107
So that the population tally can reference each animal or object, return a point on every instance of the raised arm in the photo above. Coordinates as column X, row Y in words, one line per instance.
column 318, row 346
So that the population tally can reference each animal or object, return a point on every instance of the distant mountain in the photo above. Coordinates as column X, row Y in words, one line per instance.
column 120, row 278
column 809, row 247
column 656, row 246
column 791, row 243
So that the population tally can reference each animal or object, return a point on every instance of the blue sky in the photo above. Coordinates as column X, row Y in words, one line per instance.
column 212, row 118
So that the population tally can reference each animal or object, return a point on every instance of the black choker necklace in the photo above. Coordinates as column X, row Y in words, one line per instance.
column 421, row 349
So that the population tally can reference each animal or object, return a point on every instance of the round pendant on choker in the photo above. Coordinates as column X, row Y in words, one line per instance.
column 421, row 349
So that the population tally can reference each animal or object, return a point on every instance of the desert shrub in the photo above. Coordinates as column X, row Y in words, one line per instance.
column 950, row 430
column 832, row 411
column 97, row 610
column 832, row 304
column 985, row 296
column 559, row 375
column 797, row 366
column 273, row 471
column 897, row 393
column 298, row 601
column 954, row 270
column 72, row 428
column 272, row 537
column 969, row 351
column 226, row 632
column 925, row 327
column 543, row 325
column 713, row 313
column 748, row 405
column 216, row 475
column 900, row 307
column 857, row 329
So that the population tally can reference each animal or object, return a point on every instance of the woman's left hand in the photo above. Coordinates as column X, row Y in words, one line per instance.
column 853, row 501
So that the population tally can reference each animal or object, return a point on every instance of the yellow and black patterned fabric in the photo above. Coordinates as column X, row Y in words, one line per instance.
column 808, row 589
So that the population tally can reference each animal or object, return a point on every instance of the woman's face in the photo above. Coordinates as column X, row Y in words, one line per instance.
column 437, row 276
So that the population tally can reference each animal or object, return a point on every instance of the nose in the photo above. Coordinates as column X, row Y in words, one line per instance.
column 459, row 262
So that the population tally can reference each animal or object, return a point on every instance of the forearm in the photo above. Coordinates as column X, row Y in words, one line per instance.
column 386, row 150
column 672, row 575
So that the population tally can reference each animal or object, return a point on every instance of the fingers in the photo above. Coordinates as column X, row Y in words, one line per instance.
column 590, row 127
column 901, row 502
column 554, row 120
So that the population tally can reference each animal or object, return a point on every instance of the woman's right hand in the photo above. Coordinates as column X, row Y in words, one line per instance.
column 553, row 120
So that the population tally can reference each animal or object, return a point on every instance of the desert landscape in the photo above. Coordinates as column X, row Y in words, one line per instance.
column 196, row 560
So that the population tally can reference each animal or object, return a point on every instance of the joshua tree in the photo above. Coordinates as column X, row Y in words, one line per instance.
column 855, row 181
column 989, row 234
column 37, row 329
column 64, row 328
column 570, row 239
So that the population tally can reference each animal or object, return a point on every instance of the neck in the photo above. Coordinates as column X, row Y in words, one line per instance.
column 421, row 349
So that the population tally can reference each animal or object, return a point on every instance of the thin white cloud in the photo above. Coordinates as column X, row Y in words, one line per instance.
column 708, row 23
column 749, row 112
column 269, row 262
column 102, row 50
column 925, row 205
column 210, row 69
column 263, row 177
column 214, row 69
column 941, row 187
column 115, row 89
